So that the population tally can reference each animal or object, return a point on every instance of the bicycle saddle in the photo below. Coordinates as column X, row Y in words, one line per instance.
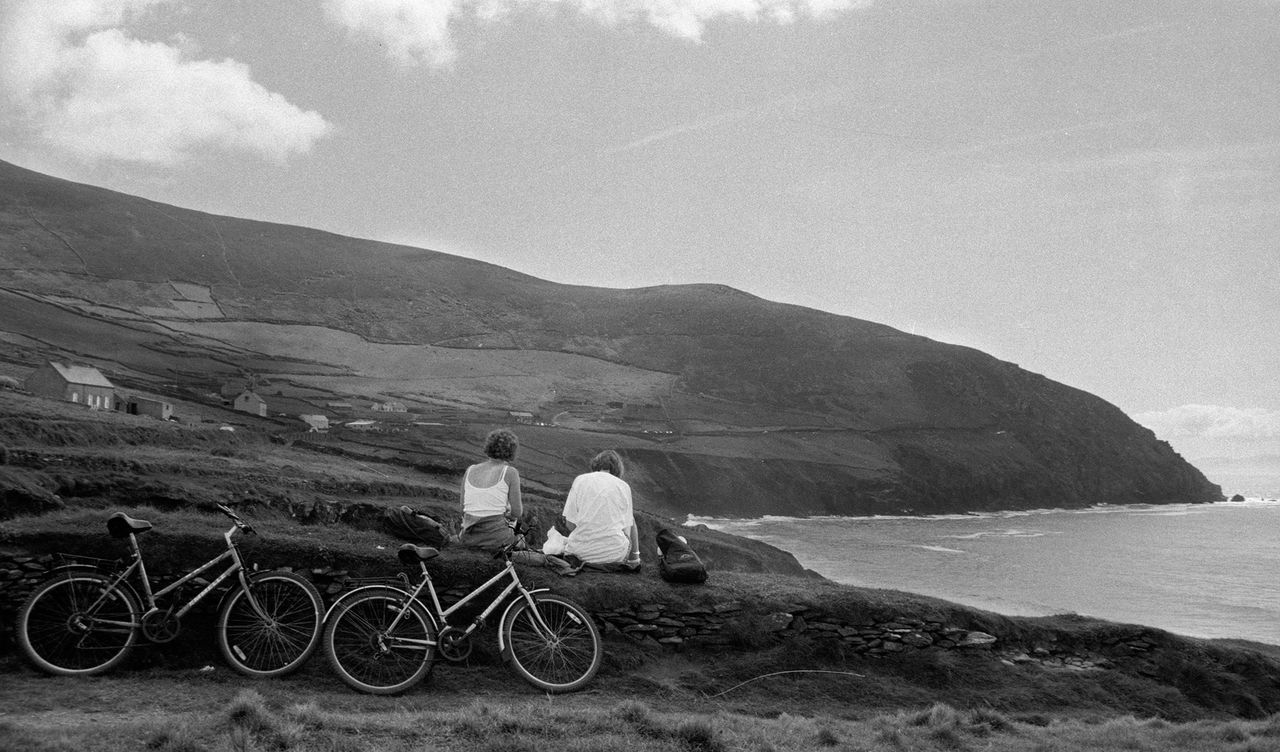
column 411, row 554
column 120, row 525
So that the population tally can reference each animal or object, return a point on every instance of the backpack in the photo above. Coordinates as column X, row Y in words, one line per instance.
column 678, row 562
column 404, row 523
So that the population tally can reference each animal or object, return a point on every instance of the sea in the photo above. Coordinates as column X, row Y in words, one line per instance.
column 1201, row 570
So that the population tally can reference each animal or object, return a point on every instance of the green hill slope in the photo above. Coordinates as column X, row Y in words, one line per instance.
column 723, row 403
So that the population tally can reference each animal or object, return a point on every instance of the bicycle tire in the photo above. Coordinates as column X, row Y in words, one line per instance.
column 565, row 660
column 265, row 649
column 369, row 658
column 58, row 635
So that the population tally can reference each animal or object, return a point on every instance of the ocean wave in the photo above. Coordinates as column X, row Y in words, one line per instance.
column 939, row 549
column 716, row 523
column 1011, row 533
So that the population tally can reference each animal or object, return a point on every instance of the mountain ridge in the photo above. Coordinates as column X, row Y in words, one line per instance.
column 724, row 402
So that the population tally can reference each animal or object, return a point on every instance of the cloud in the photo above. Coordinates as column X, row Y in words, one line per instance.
column 417, row 31
column 1212, row 422
column 414, row 31
column 88, row 88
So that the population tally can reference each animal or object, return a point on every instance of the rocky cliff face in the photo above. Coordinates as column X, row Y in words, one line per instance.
column 722, row 402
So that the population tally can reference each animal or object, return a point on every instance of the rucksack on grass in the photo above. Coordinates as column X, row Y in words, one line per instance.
column 678, row 562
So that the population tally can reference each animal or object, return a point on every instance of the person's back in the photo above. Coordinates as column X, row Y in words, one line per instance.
column 600, row 514
column 491, row 494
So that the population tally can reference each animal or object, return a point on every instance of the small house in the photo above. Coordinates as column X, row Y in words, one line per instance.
column 315, row 422
column 391, row 406
column 154, row 408
column 250, row 402
column 521, row 416
column 81, row 384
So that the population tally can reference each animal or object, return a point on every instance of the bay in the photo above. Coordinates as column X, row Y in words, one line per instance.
column 1202, row 570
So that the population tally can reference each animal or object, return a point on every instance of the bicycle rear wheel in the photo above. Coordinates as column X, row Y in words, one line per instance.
column 561, row 658
column 282, row 642
column 371, row 655
column 78, row 624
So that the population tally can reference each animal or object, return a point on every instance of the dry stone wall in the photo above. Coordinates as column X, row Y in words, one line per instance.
column 724, row 626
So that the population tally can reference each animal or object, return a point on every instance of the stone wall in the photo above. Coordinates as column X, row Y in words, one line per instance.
column 723, row 626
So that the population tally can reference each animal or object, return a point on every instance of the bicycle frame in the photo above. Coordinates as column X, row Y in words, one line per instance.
column 442, row 615
column 235, row 567
column 508, row 571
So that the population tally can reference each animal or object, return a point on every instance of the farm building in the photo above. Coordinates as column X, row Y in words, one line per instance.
column 83, row 384
column 390, row 407
column 249, row 402
column 316, row 422
column 154, row 408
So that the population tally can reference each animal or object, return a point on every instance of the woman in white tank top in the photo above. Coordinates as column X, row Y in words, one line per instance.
column 491, row 495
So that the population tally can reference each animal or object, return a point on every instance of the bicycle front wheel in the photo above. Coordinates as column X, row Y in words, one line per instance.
column 278, row 640
column 78, row 624
column 560, row 652
column 380, row 640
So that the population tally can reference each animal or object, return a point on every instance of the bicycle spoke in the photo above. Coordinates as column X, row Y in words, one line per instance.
column 562, row 656
column 77, row 624
column 283, row 640
column 371, row 656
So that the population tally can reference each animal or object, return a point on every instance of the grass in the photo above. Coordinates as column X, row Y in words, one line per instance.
column 199, row 712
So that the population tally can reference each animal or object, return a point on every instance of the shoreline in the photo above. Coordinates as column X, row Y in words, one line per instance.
column 693, row 520
column 1195, row 569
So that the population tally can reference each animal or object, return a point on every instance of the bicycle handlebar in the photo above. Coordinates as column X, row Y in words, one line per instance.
column 235, row 518
column 506, row 551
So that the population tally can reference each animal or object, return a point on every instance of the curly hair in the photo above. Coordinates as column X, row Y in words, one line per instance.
column 607, row 460
column 501, row 445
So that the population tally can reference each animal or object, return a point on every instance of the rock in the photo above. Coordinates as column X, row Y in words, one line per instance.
column 776, row 621
column 976, row 640
column 917, row 639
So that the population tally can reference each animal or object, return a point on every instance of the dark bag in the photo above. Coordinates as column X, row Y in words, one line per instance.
column 404, row 523
column 678, row 562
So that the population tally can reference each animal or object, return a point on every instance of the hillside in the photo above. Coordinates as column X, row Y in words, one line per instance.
column 722, row 403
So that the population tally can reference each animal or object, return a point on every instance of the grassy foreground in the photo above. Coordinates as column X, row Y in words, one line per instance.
column 478, row 709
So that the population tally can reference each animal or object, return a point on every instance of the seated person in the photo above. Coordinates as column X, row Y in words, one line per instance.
column 491, row 495
column 598, row 514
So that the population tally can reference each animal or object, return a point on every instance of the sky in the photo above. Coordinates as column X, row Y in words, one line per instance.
column 1090, row 190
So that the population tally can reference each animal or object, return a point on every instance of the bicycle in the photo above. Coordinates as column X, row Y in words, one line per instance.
column 382, row 638
column 85, row 619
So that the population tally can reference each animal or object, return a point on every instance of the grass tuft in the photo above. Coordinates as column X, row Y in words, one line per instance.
column 827, row 737
column 699, row 735
column 249, row 711
column 175, row 738
column 939, row 716
column 640, row 717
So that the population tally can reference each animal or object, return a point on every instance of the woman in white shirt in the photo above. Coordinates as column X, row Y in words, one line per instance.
column 491, row 495
column 598, row 513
